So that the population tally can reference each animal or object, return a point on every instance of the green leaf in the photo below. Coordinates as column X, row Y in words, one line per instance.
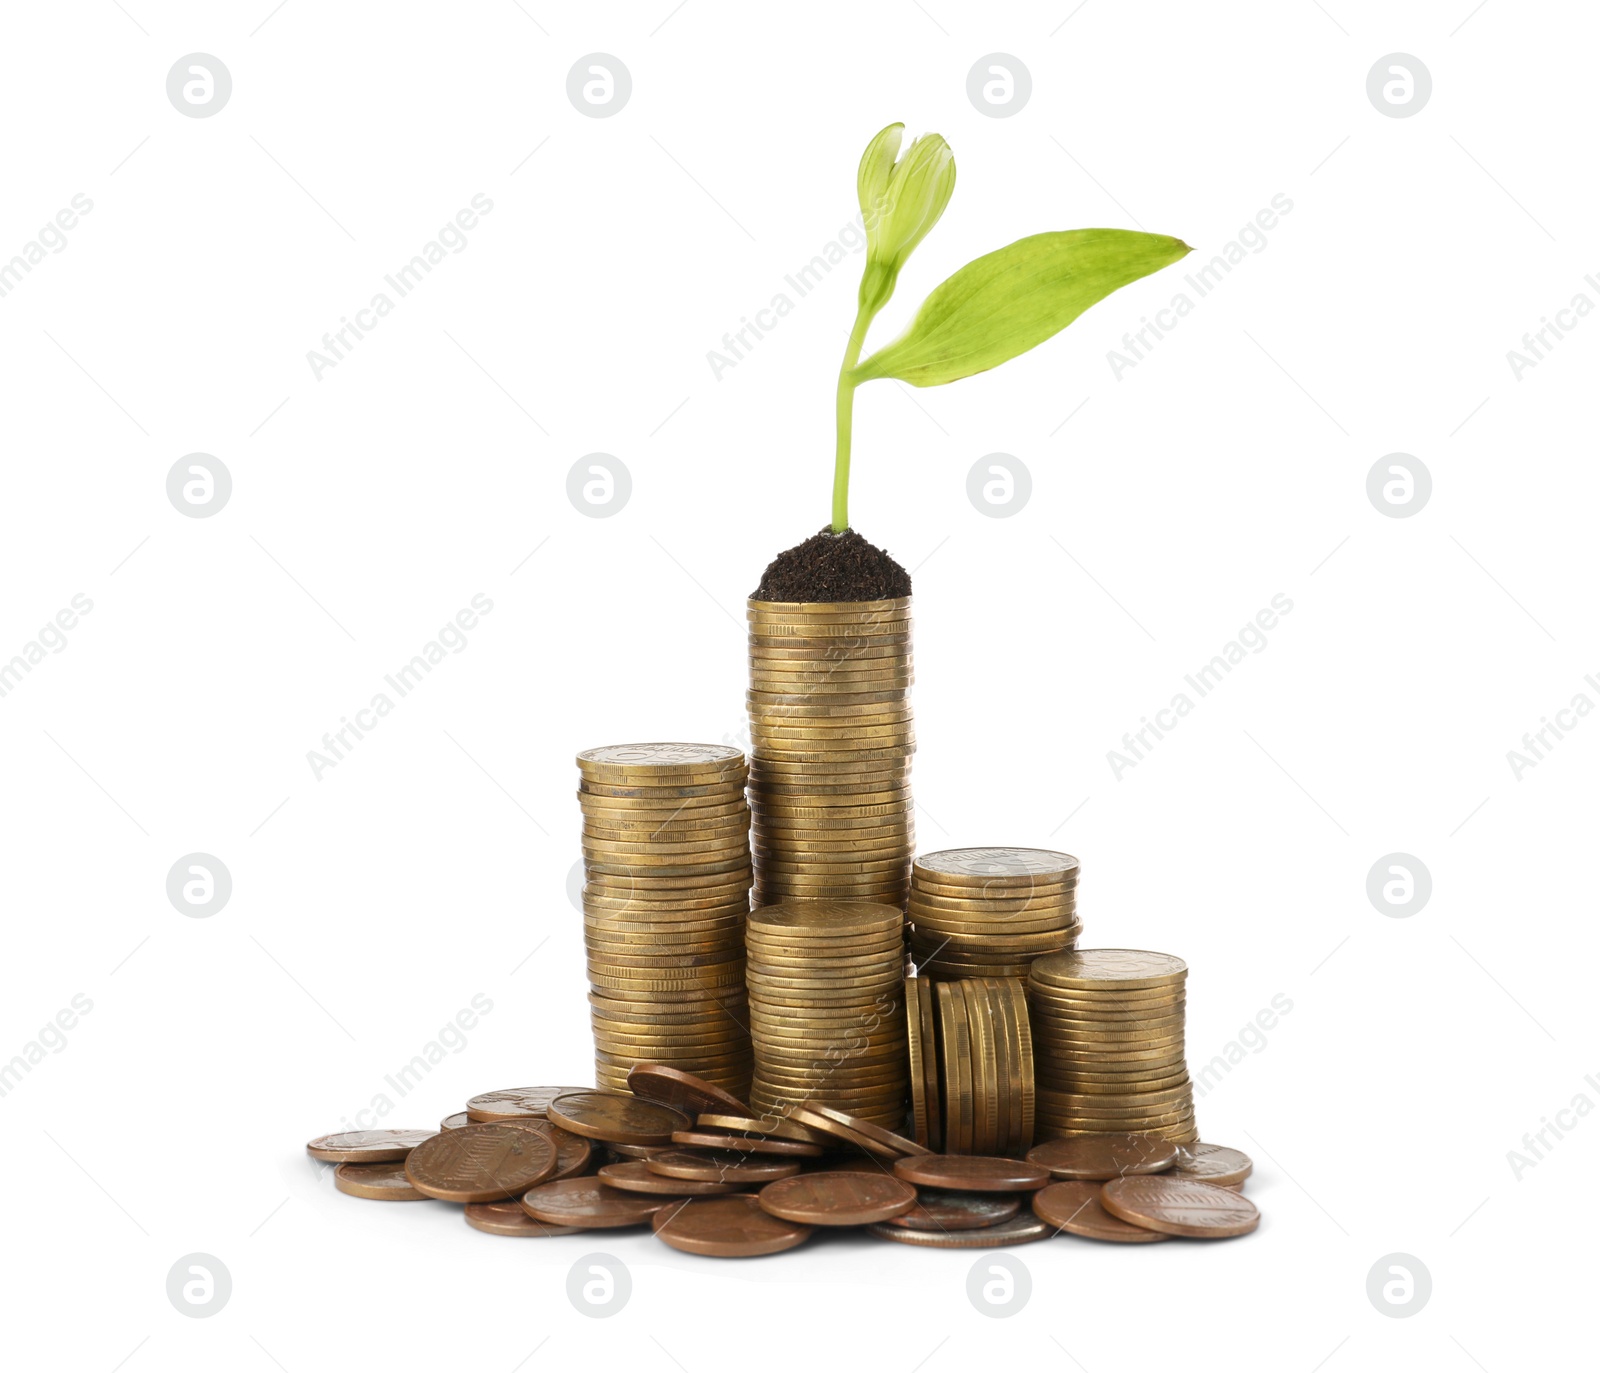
column 1008, row 301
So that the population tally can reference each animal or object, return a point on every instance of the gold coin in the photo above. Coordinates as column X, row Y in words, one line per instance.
column 979, row 865
column 657, row 757
column 1110, row 970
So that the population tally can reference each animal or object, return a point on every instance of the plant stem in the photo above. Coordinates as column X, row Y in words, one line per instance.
column 844, row 407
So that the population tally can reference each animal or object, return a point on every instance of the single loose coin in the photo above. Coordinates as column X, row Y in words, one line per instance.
column 588, row 1204
column 616, row 1118
column 745, row 1144
column 1023, row 1228
column 511, row 1102
column 1098, row 1157
column 481, row 1162
column 771, row 1126
column 702, row 1167
column 634, row 1176
column 972, row 1173
column 1179, row 1206
column 876, row 1133
column 1076, row 1208
column 682, row 1091
column 843, row 1134
column 508, row 1218
column 1213, row 1163
column 958, row 1211
column 455, row 1122
column 376, row 1181
column 726, row 1228
column 838, row 1198
column 366, row 1146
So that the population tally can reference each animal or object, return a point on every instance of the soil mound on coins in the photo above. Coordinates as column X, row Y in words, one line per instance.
column 833, row 567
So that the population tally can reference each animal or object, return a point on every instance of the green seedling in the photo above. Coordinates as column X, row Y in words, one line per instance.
column 995, row 308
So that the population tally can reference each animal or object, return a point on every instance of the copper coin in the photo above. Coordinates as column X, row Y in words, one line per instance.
column 482, row 1162
column 1023, row 1228
column 621, row 1153
column 1213, row 1163
column 838, row 1198
column 726, row 1228
column 1076, row 1208
column 1098, row 1157
column 588, row 1204
column 703, row 1167
column 745, row 1144
column 366, row 1146
column 455, row 1122
column 876, row 1133
column 573, row 1152
column 958, row 1211
column 509, row 1103
column 682, row 1091
column 635, row 1176
column 616, row 1118
column 972, row 1173
column 1178, row 1206
column 508, row 1218
column 376, row 1181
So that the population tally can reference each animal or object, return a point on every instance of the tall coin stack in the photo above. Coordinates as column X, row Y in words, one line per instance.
column 989, row 912
column 667, row 888
column 827, row 1008
column 831, row 744
column 1108, row 1044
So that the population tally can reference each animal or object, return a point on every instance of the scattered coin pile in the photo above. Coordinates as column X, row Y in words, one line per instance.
column 826, row 1019
column 1108, row 1043
column 680, row 1155
column 831, row 743
column 972, row 1076
column 989, row 912
column 667, row 886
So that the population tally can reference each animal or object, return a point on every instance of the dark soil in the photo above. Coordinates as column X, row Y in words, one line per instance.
column 833, row 567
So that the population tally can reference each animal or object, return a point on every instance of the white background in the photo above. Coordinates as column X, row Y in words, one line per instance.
column 431, row 864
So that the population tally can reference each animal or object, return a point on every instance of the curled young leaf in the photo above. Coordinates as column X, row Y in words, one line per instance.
column 1008, row 301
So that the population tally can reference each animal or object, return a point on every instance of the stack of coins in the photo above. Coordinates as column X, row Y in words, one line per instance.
column 991, row 912
column 831, row 744
column 1108, row 1033
column 972, row 1089
column 667, row 866
column 826, row 1013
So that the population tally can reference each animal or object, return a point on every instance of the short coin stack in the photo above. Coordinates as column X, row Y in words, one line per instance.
column 989, row 912
column 972, row 1077
column 826, row 1017
column 1108, row 1035
column 831, row 744
column 667, row 866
